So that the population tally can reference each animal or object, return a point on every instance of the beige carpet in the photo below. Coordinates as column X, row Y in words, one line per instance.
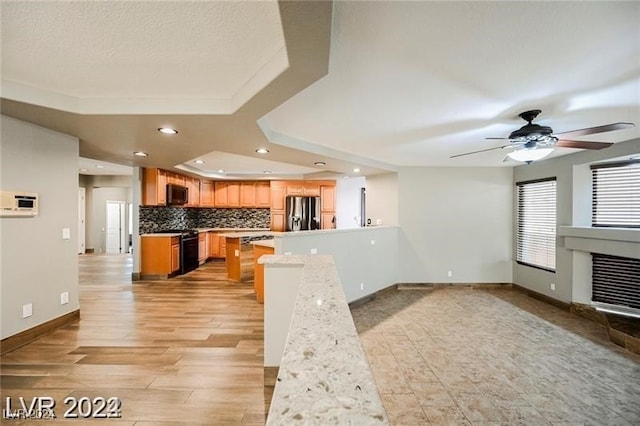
column 465, row 356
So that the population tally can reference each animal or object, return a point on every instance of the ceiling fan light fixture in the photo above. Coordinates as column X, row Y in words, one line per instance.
column 530, row 155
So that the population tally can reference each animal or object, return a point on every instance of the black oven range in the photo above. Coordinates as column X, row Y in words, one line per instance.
column 188, row 248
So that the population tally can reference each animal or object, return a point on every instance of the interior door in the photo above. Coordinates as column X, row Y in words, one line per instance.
column 115, row 228
column 81, row 220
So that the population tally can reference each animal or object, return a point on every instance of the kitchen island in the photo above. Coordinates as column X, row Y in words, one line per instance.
column 260, row 248
column 239, row 253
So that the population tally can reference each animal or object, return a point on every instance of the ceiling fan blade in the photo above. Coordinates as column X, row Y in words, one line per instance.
column 481, row 150
column 598, row 129
column 564, row 143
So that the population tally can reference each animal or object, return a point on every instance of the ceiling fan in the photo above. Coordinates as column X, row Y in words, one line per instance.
column 533, row 141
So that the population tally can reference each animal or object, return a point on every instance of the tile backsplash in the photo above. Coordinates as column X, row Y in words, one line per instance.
column 153, row 219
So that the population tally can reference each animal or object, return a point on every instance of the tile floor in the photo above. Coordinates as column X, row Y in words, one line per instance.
column 466, row 356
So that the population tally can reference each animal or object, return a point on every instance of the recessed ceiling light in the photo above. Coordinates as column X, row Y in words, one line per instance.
column 167, row 130
column 84, row 170
column 99, row 166
column 356, row 170
column 140, row 154
column 220, row 171
column 267, row 172
column 199, row 161
column 320, row 163
column 262, row 151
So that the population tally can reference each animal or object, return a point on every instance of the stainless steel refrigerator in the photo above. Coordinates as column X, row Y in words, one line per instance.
column 303, row 213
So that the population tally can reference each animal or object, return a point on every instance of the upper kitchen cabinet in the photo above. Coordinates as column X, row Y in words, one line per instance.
column 255, row 194
column 227, row 194
column 206, row 193
column 154, row 187
column 263, row 194
column 193, row 187
column 247, row 194
column 176, row 179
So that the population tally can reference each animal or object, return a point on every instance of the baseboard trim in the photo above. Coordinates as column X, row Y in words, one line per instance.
column 544, row 298
column 369, row 297
column 11, row 343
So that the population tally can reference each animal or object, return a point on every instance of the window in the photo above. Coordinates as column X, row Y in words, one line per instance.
column 616, row 280
column 536, row 220
column 616, row 194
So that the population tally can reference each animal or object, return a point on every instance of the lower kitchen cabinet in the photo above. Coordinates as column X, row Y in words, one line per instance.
column 217, row 245
column 159, row 255
column 203, row 247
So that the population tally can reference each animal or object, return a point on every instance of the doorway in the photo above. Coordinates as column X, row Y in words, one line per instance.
column 81, row 220
column 115, row 229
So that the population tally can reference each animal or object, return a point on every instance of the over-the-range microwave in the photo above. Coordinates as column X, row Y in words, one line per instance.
column 18, row 203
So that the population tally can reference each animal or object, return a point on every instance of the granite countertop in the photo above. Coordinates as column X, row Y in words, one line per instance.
column 264, row 243
column 176, row 234
column 245, row 234
column 324, row 375
column 232, row 229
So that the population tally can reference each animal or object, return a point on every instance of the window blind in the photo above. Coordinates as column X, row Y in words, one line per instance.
column 616, row 194
column 536, row 222
column 615, row 280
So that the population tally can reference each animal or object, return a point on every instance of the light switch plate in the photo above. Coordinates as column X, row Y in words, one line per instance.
column 314, row 251
column 66, row 233
column 236, row 253
column 27, row 310
column 64, row 298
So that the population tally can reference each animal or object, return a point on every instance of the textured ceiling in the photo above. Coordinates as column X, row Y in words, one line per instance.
column 412, row 83
column 374, row 85
column 123, row 56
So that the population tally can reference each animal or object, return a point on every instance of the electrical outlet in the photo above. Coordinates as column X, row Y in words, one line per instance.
column 449, row 274
column 361, row 286
column 373, row 242
column 27, row 310
column 236, row 253
column 287, row 252
column 552, row 286
column 314, row 251
column 64, row 298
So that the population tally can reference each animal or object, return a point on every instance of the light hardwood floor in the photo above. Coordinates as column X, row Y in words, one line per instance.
column 185, row 350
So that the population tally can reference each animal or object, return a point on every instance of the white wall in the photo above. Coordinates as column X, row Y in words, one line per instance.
column 455, row 219
column 348, row 202
column 382, row 198
column 573, row 194
column 356, row 259
column 37, row 264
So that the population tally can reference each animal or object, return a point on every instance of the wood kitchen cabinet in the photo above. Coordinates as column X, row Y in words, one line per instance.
column 159, row 256
column 154, row 188
column 176, row 178
column 227, row 194
column 175, row 254
column 217, row 246
column 203, row 247
column 278, row 221
column 247, row 194
column 327, row 206
column 193, row 187
column 206, row 193
column 263, row 194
